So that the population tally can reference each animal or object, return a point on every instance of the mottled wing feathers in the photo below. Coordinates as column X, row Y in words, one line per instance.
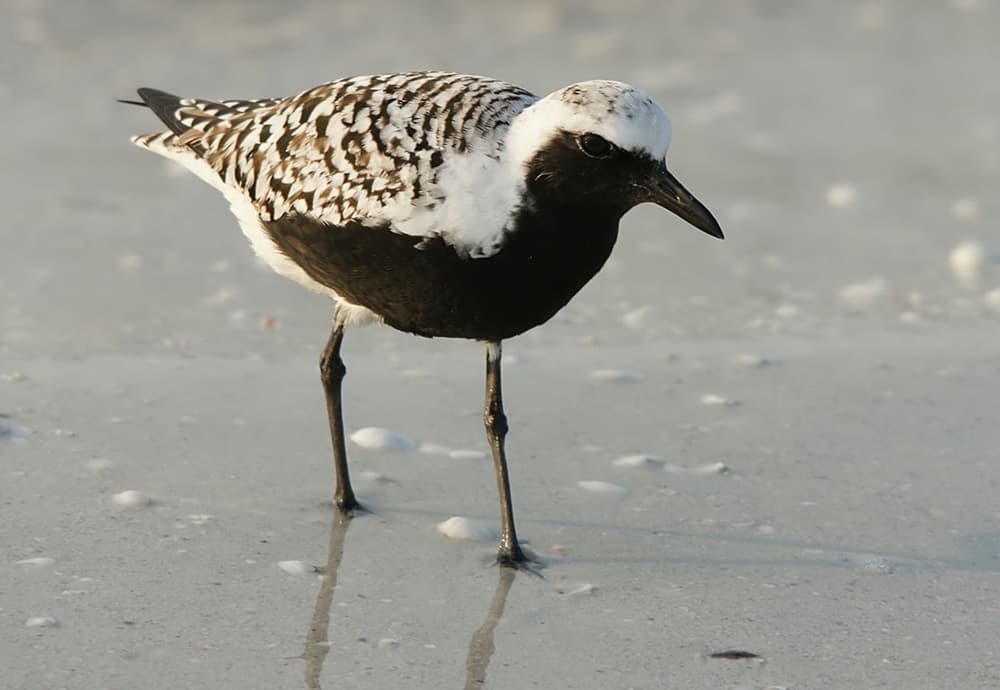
column 363, row 149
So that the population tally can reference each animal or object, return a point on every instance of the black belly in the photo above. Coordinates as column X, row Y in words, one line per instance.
column 423, row 286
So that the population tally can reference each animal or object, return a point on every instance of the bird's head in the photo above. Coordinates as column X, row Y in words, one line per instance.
column 603, row 145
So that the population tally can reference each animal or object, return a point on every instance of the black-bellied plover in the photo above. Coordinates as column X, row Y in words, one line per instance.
column 444, row 205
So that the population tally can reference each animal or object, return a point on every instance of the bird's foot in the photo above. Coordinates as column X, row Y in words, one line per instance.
column 348, row 506
column 516, row 558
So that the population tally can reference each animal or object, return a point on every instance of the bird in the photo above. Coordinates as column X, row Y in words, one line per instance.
column 440, row 204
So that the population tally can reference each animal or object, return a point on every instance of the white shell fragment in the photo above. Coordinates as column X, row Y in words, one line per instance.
column 37, row 562
column 464, row 529
column 199, row 519
column 841, row 195
column 752, row 361
column 41, row 622
column 634, row 319
column 375, row 477
column 715, row 400
column 599, row 487
column 875, row 564
column 639, row 460
column 467, row 454
column 709, row 468
column 966, row 262
column 297, row 567
column 865, row 295
column 615, row 376
column 377, row 438
column 130, row 499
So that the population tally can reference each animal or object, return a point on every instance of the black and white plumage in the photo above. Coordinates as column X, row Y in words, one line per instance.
column 440, row 204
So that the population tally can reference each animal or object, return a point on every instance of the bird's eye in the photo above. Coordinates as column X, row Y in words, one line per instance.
column 595, row 146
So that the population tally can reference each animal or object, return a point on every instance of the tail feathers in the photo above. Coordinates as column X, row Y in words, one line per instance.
column 193, row 125
column 156, row 141
column 182, row 142
column 186, row 119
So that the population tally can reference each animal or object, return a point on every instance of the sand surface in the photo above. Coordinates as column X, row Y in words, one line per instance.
column 783, row 444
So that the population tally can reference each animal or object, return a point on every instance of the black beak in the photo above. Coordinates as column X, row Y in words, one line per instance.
column 664, row 190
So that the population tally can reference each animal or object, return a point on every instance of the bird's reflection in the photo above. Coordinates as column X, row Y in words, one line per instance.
column 481, row 645
column 317, row 644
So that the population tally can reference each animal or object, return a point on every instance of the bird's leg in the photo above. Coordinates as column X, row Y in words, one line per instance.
column 332, row 372
column 510, row 554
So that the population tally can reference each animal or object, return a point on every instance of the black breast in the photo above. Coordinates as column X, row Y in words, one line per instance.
column 423, row 286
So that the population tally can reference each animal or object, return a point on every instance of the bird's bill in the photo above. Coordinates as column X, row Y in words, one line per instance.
column 669, row 193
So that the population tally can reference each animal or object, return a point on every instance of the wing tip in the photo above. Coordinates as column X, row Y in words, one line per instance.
column 164, row 105
column 148, row 96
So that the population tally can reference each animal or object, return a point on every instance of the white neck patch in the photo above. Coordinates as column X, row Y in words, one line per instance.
column 622, row 114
